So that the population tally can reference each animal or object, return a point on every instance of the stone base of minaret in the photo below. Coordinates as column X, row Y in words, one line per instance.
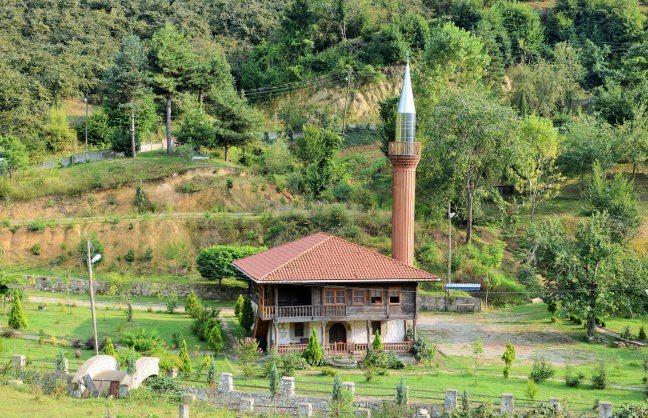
column 404, row 157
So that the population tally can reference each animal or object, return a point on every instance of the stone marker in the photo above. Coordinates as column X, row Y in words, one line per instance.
column 246, row 405
column 287, row 386
column 305, row 410
column 183, row 411
column 350, row 386
column 555, row 404
column 450, row 401
column 605, row 410
column 89, row 384
column 19, row 362
column 363, row 413
column 422, row 413
column 436, row 411
column 123, row 391
column 225, row 383
column 507, row 405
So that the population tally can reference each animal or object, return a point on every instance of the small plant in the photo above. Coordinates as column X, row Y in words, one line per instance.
column 212, row 376
column 142, row 202
column 148, row 255
column 531, row 389
column 508, row 357
column 215, row 338
column 192, row 304
column 477, row 349
column 142, row 340
column 599, row 378
column 185, row 362
column 17, row 318
column 238, row 306
column 541, row 371
column 130, row 256
column 171, row 302
column 108, row 347
column 274, row 377
column 229, row 184
column 626, row 333
column 130, row 358
column 248, row 352
column 313, row 354
column 572, row 379
column 341, row 400
column 328, row 371
column 61, row 362
column 422, row 350
column 402, row 393
column 642, row 334
column 36, row 249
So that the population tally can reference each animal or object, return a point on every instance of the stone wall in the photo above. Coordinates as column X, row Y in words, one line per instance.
column 438, row 303
column 205, row 291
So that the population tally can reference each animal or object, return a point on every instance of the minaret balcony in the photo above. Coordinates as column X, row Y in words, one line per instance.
column 404, row 148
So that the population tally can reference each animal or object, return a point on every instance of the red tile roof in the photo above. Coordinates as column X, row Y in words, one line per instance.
column 326, row 258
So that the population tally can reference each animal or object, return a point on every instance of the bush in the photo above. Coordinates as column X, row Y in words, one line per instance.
column 642, row 334
column 531, row 389
column 328, row 371
column 99, row 130
column 36, row 225
column 246, row 319
column 142, row 203
column 142, row 340
column 185, row 362
column 215, row 263
column 573, row 380
column 17, row 318
column 599, row 378
column 238, row 307
column 626, row 333
column 215, row 338
column 192, row 305
column 314, row 353
column 203, row 318
column 36, row 249
column 341, row 404
column 130, row 256
column 248, row 352
column 164, row 385
column 422, row 350
column 82, row 249
column 108, row 347
column 171, row 302
column 541, row 371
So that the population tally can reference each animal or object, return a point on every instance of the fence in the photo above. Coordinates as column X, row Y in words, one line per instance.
column 91, row 156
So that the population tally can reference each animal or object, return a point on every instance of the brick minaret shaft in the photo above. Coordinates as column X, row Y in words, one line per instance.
column 404, row 163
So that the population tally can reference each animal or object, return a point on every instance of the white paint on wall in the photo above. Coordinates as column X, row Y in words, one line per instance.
column 358, row 332
column 394, row 331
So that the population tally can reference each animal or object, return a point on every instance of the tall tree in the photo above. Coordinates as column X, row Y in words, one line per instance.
column 13, row 155
column 236, row 121
column 126, row 80
column 316, row 150
column 472, row 134
column 210, row 69
column 172, row 61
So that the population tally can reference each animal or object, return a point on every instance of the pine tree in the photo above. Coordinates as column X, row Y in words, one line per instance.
column 238, row 307
column 377, row 344
column 185, row 361
column 465, row 404
column 17, row 318
column 60, row 362
column 313, row 354
column 109, row 348
column 402, row 393
column 131, row 359
column 508, row 357
column 336, row 394
column 273, row 380
column 212, row 377
column 192, row 304
column 215, row 338
column 246, row 319
column 642, row 334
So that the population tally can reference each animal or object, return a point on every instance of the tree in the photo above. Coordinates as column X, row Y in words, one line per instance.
column 313, row 354
column 472, row 138
column 126, row 80
column 196, row 129
column 387, row 129
column 618, row 198
column 215, row 338
column 634, row 134
column 508, row 357
column 341, row 399
column 248, row 353
column 587, row 140
column 185, row 362
column 210, row 69
column 238, row 306
column 274, row 378
column 61, row 366
column 172, row 61
column 215, row 262
column 477, row 349
column 402, row 393
column 212, row 375
column 13, row 155
column 109, row 348
column 130, row 359
column 236, row 121
column 192, row 304
column 100, row 131
column 522, row 25
column 246, row 320
column 376, row 344
column 533, row 166
column 58, row 135
column 17, row 318
column 316, row 150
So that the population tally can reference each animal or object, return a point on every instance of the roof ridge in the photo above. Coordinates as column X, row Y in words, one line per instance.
column 380, row 254
column 328, row 237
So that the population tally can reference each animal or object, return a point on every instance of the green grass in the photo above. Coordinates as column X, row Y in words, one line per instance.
column 81, row 178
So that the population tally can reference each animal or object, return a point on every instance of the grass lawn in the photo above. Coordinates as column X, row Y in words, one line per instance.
column 80, row 178
column 27, row 402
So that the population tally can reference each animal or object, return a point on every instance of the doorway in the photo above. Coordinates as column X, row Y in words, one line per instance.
column 337, row 333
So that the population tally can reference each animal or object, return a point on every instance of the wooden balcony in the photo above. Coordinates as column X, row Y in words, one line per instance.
column 355, row 349
column 304, row 312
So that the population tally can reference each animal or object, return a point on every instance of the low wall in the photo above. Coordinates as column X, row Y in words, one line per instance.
column 92, row 156
column 81, row 286
column 438, row 303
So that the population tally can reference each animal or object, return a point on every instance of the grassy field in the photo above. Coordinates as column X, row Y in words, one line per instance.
column 25, row 401
column 80, row 178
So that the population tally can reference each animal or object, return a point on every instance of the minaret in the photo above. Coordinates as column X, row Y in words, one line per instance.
column 404, row 155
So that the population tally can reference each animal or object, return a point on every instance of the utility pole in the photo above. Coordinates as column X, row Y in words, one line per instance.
column 85, row 130
column 346, row 99
column 132, row 129
column 450, row 216
column 92, row 301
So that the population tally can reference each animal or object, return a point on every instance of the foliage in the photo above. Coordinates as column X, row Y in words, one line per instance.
column 477, row 347
column 16, row 317
column 129, row 358
column 215, row 338
column 193, row 305
column 13, row 154
column 573, row 379
column 164, row 385
column 238, row 306
column 377, row 344
column 402, row 393
column 142, row 340
column 274, row 379
column 422, row 350
column 171, row 302
column 60, row 365
column 215, row 263
column 341, row 404
column 314, row 353
column 246, row 319
column 642, row 334
column 99, row 129
column 142, row 203
column 203, row 319
column 541, row 371
column 531, row 389
column 108, row 347
column 316, row 150
column 508, row 357
column 185, row 365
column 196, row 129
column 387, row 128
column 212, row 375
column 59, row 137
column 248, row 352
column 600, row 377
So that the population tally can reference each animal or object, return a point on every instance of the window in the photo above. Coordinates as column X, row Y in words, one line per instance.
column 375, row 327
column 299, row 329
column 358, row 297
column 376, row 297
column 394, row 296
column 334, row 296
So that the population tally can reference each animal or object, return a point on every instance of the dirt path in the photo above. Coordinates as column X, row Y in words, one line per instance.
column 453, row 335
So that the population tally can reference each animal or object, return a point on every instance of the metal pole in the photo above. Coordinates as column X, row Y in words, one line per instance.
column 346, row 100
column 85, row 133
column 449, row 244
column 92, row 301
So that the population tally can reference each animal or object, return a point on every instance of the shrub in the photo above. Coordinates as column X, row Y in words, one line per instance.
column 238, row 307
column 212, row 376
column 402, row 393
column 82, row 249
column 108, row 347
column 171, row 302
column 531, row 389
column 273, row 380
column 508, row 357
column 642, row 334
column 246, row 319
column 248, row 352
column 377, row 344
column 626, row 333
column 291, row 362
column 17, row 318
column 573, row 380
column 541, row 371
column 142, row 203
column 60, row 362
column 328, row 371
column 421, row 350
column 36, row 249
column 36, row 225
column 185, row 362
column 215, row 338
column 393, row 362
column 192, row 304
column 341, row 400
column 203, row 318
column 599, row 378
column 313, row 354
column 215, row 263
column 130, row 256
column 142, row 340
column 164, row 385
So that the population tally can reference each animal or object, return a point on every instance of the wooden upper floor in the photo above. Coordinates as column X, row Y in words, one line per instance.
column 365, row 301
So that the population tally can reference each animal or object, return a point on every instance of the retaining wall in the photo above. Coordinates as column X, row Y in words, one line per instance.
column 438, row 303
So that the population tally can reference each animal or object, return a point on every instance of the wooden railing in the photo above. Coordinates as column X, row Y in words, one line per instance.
column 333, row 349
column 303, row 311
